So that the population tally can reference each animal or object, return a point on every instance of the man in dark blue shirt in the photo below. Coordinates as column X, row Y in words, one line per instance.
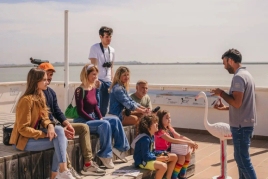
column 70, row 129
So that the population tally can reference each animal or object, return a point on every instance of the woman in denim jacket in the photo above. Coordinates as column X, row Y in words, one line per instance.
column 119, row 99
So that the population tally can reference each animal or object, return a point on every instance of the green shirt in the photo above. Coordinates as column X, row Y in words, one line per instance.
column 144, row 101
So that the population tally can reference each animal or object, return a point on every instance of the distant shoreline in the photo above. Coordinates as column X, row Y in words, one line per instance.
column 126, row 63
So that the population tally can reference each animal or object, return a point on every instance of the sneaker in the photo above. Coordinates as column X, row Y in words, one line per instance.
column 107, row 162
column 120, row 155
column 74, row 173
column 93, row 169
column 180, row 177
column 64, row 175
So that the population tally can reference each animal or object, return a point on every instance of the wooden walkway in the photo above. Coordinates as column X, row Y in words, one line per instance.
column 207, row 157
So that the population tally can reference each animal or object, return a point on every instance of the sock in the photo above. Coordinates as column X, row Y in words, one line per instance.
column 87, row 164
column 184, row 168
column 176, row 171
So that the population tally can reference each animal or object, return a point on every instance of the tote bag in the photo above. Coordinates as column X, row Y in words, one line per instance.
column 180, row 149
column 71, row 111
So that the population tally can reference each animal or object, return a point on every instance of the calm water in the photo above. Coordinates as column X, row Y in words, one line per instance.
column 157, row 74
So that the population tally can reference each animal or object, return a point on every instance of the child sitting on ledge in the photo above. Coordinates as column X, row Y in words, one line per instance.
column 144, row 155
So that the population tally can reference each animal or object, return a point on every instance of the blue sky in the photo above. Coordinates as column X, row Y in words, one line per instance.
column 146, row 31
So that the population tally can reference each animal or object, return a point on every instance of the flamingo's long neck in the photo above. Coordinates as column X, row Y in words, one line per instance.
column 206, row 123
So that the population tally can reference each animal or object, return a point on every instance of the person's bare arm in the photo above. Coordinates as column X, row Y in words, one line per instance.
column 178, row 141
column 94, row 61
column 235, row 99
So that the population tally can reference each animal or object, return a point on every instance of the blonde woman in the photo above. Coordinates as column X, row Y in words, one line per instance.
column 119, row 99
column 33, row 130
column 105, row 127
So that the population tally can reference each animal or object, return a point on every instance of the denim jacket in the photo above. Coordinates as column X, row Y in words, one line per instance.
column 120, row 99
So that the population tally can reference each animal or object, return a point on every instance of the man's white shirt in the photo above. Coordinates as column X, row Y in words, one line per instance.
column 105, row 73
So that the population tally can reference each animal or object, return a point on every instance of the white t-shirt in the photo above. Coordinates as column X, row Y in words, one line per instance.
column 96, row 52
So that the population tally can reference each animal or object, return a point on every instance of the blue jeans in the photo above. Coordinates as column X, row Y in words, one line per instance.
column 59, row 144
column 106, row 129
column 102, row 96
column 241, row 141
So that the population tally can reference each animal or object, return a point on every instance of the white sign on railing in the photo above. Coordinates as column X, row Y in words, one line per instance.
column 182, row 98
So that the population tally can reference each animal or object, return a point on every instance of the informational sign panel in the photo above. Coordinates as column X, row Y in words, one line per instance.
column 181, row 98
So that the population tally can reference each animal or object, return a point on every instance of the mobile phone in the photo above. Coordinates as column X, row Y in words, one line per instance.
column 156, row 109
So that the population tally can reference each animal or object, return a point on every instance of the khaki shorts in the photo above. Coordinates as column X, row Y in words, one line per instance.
column 149, row 165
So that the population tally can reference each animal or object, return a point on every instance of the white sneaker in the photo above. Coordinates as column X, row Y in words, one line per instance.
column 75, row 174
column 120, row 155
column 93, row 169
column 64, row 175
column 107, row 162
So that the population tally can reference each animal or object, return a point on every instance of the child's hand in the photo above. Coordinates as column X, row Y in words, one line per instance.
column 163, row 158
column 193, row 145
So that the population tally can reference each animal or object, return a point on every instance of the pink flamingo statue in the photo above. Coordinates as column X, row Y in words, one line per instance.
column 220, row 130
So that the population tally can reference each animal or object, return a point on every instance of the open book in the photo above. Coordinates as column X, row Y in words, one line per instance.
column 133, row 173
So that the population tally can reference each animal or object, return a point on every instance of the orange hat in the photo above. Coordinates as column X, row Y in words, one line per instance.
column 46, row 67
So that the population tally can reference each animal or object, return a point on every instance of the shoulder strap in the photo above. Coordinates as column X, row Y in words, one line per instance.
column 83, row 92
column 102, row 49
column 74, row 94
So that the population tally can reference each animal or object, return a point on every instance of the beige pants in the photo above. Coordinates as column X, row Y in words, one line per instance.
column 84, row 138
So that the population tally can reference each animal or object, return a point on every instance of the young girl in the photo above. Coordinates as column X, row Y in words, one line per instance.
column 144, row 155
column 167, row 135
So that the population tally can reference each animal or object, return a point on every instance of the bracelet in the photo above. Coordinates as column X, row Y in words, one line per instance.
column 221, row 93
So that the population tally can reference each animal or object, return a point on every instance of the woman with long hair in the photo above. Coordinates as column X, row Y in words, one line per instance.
column 121, row 104
column 33, row 130
column 105, row 127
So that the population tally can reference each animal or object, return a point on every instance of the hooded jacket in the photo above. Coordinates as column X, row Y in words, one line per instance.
column 143, row 149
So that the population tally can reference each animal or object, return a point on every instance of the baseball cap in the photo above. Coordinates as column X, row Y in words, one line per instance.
column 46, row 67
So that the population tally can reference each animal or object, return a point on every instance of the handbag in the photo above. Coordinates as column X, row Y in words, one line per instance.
column 7, row 130
column 71, row 111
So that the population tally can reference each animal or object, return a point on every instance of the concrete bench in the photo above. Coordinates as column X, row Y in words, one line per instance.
column 37, row 165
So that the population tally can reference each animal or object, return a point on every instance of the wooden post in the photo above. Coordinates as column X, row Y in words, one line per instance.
column 2, row 168
column 25, row 165
column 11, row 161
column 37, row 164
column 47, row 158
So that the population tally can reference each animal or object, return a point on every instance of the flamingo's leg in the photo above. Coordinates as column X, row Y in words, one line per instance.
column 223, row 160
